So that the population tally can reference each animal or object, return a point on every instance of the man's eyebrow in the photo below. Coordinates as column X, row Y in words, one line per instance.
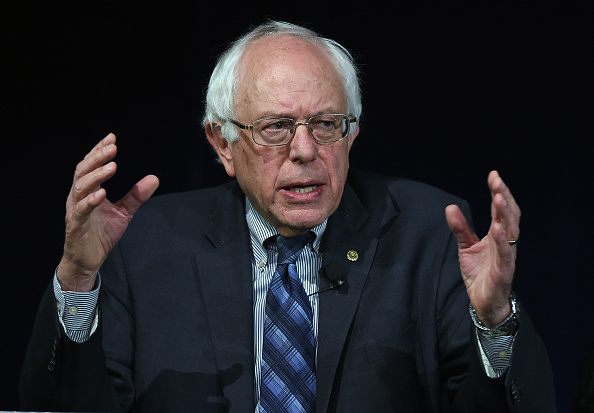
column 286, row 115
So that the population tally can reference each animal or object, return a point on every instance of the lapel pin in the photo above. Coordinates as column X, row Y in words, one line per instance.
column 352, row 255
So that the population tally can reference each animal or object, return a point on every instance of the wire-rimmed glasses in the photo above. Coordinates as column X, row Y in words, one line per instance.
column 324, row 128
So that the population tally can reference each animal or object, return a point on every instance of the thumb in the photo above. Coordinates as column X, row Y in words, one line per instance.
column 139, row 194
column 459, row 226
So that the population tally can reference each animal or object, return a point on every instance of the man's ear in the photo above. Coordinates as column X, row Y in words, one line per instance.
column 221, row 146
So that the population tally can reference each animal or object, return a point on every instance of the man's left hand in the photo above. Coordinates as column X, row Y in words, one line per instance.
column 488, row 264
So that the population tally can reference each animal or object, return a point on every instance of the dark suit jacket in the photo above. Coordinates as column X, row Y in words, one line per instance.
column 176, row 318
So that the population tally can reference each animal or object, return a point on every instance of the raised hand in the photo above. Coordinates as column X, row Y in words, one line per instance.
column 488, row 264
column 93, row 224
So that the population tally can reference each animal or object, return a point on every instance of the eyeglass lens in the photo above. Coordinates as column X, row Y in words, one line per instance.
column 277, row 131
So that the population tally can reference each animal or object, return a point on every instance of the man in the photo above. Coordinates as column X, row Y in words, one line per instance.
column 183, row 319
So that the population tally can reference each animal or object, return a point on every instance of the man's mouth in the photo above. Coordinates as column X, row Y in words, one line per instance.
column 302, row 189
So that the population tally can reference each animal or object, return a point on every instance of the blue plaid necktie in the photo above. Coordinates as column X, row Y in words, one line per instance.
column 288, row 352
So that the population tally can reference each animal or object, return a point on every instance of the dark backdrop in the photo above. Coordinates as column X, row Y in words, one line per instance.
column 449, row 94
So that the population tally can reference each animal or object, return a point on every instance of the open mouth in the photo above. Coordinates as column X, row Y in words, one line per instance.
column 302, row 189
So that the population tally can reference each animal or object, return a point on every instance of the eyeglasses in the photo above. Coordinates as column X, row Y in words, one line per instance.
column 325, row 128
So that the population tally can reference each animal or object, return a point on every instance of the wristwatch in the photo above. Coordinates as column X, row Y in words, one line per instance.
column 506, row 328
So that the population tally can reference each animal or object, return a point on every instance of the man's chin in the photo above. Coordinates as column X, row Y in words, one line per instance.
column 295, row 225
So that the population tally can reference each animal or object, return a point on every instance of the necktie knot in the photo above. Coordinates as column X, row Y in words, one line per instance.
column 289, row 249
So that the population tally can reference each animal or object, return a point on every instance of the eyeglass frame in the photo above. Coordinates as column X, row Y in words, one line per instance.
column 349, row 118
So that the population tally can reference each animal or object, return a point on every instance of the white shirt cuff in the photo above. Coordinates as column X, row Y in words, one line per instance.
column 77, row 311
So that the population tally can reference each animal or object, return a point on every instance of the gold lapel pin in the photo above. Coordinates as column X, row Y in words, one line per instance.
column 352, row 255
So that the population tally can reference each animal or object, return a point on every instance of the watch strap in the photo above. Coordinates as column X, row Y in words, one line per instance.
column 506, row 328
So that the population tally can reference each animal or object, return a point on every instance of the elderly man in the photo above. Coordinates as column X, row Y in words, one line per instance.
column 299, row 286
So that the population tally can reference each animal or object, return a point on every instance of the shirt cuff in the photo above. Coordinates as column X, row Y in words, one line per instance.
column 77, row 311
column 495, row 353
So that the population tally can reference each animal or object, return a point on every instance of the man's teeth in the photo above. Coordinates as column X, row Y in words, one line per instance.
column 302, row 189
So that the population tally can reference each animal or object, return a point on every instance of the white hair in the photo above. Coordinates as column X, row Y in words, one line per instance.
column 220, row 96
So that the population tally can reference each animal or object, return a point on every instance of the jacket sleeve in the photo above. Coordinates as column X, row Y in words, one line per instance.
column 59, row 374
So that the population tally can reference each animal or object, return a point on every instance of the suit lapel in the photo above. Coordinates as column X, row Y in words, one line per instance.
column 346, row 241
column 225, row 278
column 338, row 307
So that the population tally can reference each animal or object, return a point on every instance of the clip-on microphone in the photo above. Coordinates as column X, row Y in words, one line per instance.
column 333, row 272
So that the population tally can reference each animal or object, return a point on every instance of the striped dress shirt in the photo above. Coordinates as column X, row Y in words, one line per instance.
column 264, row 262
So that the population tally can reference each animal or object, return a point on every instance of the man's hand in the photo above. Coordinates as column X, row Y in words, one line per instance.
column 488, row 265
column 93, row 224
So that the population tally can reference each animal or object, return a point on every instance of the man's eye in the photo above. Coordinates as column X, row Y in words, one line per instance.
column 325, row 124
column 277, row 125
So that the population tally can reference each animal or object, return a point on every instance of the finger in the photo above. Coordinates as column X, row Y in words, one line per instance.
column 506, row 254
column 109, row 139
column 139, row 194
column 83, row 208
column 504, row 208
column 497, row 186
column 508, row 217
column 102, row 153
column 90, row 182
column 460, row 227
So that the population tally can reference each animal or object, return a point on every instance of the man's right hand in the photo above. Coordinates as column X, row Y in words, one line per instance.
column 93, row 224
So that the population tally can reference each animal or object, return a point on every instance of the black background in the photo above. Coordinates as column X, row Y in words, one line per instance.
column 449, row 92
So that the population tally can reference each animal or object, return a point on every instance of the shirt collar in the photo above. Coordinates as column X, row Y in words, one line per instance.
column 261, row 230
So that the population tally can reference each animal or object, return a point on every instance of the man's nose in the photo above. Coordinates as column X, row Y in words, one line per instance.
column 302, row 147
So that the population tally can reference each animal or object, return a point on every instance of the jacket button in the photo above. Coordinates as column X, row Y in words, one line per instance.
column 51, row 365
column 516, row 395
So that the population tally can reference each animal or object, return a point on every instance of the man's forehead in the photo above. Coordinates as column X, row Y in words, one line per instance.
column 273, row 51
column 282, row 43
column 287, row 63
